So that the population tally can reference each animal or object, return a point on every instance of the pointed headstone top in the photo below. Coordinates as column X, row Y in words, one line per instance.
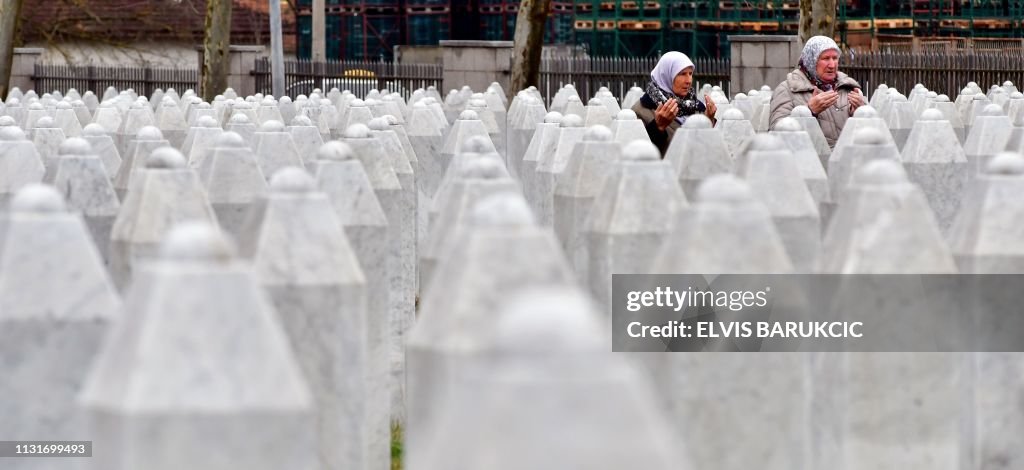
column 45, row 122
column 554, row 117
column 869, row 136
column 627, row 115
column 506, row 209
column 229, row 139
column 734, row 114
column 63, row 105
column 74, row 146
column 942, row 99
column 1006, row 163
column 724, row 188
column 378, row 124
column 335, row 150
column 468, row 115
column 865, row 111
column 882, row 172
column 697, row 121
column 197, row 242
column 149, row 133
column 272, row 126
column 476, row 144
column 992, row 110
column 787, row 124
column 38, row 198
column 800, row 111
column 483, row 168
column 207, row 121
column 301, row 120
column 357, row 131
column 12, row 134
column 93, row 130
column 932, row 114
column 641, row 150
column 166, row 158
column 238, row 118
column 6, row 121
column 597, row 133
column 292, row 180
column 571, row 120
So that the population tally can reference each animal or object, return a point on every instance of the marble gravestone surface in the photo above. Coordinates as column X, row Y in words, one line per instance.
column 552, row 384
column 20, row 163
column 229, row 393
column 626, row 127
column 552, row 163
column 987, row 136
column 145, row 143
column 56, row 306
column 171, row 122
column 302, row 257
column 65, row 118
column 47, row 137
column 103, row 146
column 522, row 126
column 307, row 139
column 736, row 130
column 934, row 160
column 162, row 194
column 401, row 261
column 798, row 141
column 592, row 161
column 502, row 252
column 240, row 124
column 428, row 140
column 630, row 217
column 544, row 139
column 802, row 114
column 82, row 181
column 985, row 236
column 697, row 153
column 275, row 148
column 200, row 141
column 867, row 145
column 775, row 180
column 233, row 181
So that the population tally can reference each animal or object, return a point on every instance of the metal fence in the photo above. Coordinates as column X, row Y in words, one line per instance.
column 619, row 74
column 144, row 81
column 944, row 73
column 359, row 77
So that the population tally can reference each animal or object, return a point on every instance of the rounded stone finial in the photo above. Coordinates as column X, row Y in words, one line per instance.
column 477, row 103
column 868, row 136
column 569, row 86
column 93, row 130
column 75, row 146
column 378, row 124
column 149, row 133
column 574, row 99
column 357, row 131
column 13, row 102
column 268, row 101
column 12, row 134
column 594, row 102
column 788, row 124
column 897, row 98
column 207, row 122
column 762, row 142
column 740, row 97
column 45, row 122
column 625, row 115
column 992, row 110
column 1007, row 84
column 476, row 144
column 63, row 105
column 38, row 198
column 357, row 103
column 554, row 117
column 196, row 241
column 942, row 99
column 597, row 133
column 800, row 111
column 238, row 118
column 641, row 149
column 482, row 167
column 865, row 111
column 229, row 139
column 571, row 120
column 505, row 209
column 292, row 179
column 1016, row 95
column 1006, row 163
column 167, row 158
column 880, row 172
column 335, row 150
column 272, row 126
column 724, row 188
column 733, row 114
column 932, row 114
column 697, row 121
column 302, row 121
column 469, row 115
column 6, row 121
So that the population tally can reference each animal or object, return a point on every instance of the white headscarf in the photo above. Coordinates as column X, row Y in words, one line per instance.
column 670, row 64
column 812, row 51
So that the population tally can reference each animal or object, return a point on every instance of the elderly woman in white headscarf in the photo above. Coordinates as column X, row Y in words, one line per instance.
column 670, row 99
column 818, row 84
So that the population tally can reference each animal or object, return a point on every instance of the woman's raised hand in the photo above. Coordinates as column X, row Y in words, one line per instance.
column 822, row 100
column 710, row 107
column 856, row 100
column 665, row 114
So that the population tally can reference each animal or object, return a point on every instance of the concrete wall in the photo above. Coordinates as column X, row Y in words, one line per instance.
column 419, row 54
column 476, row 63
column 158, row 54
column 22, row 67
column 762, row 60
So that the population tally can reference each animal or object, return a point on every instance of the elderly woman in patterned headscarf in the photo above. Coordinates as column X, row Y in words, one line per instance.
column 670, row 99
column 818, row 84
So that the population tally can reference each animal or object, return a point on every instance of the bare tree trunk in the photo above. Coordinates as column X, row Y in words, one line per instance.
column 215, row 48
column 9, row 11
column 817, row 18
column 529, row 40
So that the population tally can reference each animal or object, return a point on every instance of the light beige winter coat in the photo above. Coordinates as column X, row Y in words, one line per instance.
column 797, row 90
